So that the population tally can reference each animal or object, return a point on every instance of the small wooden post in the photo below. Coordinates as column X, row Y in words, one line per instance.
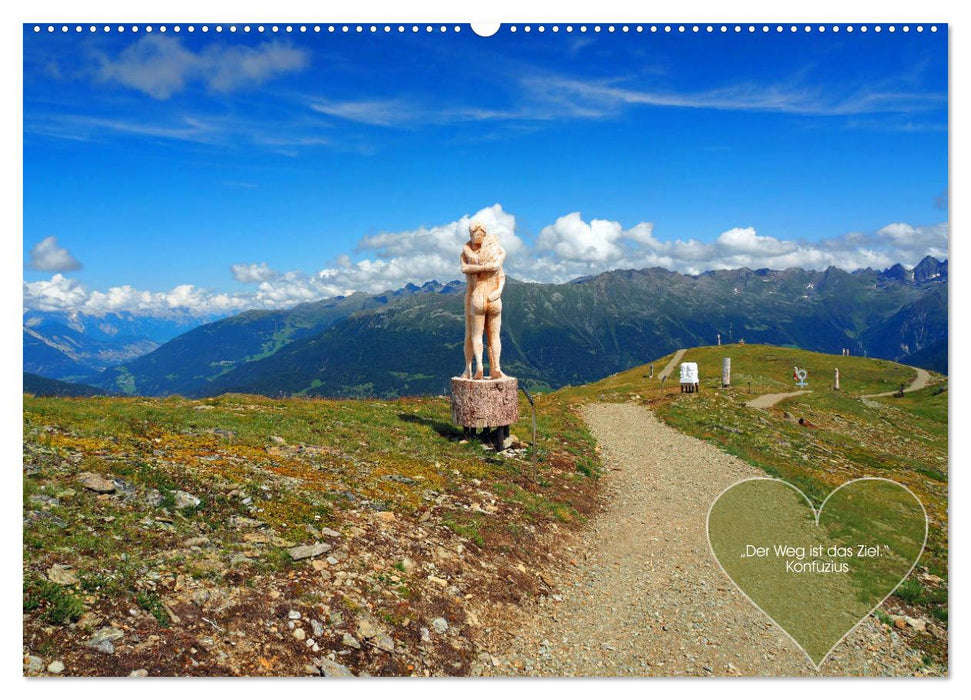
column 651, row 375
column 836, row 382
column 726, row 372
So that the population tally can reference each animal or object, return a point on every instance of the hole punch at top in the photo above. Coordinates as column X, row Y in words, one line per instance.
column 485, row 29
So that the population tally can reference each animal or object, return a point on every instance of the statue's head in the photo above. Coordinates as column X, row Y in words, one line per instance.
column 477, row 232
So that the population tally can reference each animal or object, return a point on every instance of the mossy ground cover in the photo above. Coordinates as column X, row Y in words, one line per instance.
column 269, row 474
column 842, row 436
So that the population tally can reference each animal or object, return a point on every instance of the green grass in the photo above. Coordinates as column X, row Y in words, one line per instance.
column 56, row 603
column 535, row 504
column 902, row 439
column 758, row 369
column 354, row 457
column 151, row 603
column 467, row 527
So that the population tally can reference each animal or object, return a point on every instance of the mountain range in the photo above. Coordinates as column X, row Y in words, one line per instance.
column 71, row 346
column 410, row 341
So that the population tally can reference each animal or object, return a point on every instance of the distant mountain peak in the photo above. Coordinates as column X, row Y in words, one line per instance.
column 929, row 268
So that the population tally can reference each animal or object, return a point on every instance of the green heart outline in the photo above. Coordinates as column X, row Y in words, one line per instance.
column 816, row 516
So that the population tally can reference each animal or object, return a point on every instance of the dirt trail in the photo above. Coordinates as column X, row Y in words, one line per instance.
column 770, row 400
column 669, row 367
column 922, row 379
column 646, row 597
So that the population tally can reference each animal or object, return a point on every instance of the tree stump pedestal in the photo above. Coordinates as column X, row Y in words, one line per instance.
column 489, row 405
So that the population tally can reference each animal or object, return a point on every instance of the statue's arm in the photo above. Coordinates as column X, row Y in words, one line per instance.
column 502, row 284
column 484, row 267
column 492, row 266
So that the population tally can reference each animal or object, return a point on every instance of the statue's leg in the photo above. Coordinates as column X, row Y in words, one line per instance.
column 493, row 325
column 478, row 326
column 468, row 338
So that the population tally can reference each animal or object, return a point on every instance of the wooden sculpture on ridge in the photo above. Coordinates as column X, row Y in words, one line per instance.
column 478, row 403
column 482, row 259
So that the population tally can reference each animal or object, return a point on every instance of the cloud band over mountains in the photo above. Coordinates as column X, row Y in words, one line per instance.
column 568, row 248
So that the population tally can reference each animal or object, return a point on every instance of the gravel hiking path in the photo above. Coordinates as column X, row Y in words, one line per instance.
column 643, row 594
column 770, row 400
column 922, row 379
column 669, row 367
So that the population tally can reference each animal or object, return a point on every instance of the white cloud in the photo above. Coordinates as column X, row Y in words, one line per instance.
column 916, row 238
column 48, row 256
column 541, row 96
column 745, row 241
column 63, row 294
column 602, row 97
column 160, row 66
column 56, row 294
column 394, row 259
column 373, row 112
column 571, row 238
column 251, row 273
column 566, row 249
column 400, row 112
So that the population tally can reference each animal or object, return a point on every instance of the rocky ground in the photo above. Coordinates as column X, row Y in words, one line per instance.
column 145, row 555
column 641, row 593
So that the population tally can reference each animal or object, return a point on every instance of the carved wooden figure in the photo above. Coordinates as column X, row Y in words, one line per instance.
column 482, row 259
column 478, row 403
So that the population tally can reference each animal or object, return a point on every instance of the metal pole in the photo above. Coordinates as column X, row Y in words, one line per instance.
column 533, row 407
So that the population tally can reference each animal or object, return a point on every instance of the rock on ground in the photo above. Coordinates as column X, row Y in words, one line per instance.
column 103, row 640
column 332, row 669
column 61, row 574
column 96, row 482
column 306, row 551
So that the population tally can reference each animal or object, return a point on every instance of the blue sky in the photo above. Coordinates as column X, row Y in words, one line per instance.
column 214, row 172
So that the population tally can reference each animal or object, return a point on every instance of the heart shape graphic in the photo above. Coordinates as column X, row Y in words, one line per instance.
column 817, row 574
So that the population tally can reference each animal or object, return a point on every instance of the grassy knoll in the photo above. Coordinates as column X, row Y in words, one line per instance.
column 842, row 435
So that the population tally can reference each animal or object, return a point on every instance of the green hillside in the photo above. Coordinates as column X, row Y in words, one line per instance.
column 843, row 435
column 576, row 333
column 42, row 386
column 205, row 353
column 410, row 342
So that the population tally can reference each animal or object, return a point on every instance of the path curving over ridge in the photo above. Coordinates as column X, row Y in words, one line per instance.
column 672, row 363
column 922, row 379
column 645, row 596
